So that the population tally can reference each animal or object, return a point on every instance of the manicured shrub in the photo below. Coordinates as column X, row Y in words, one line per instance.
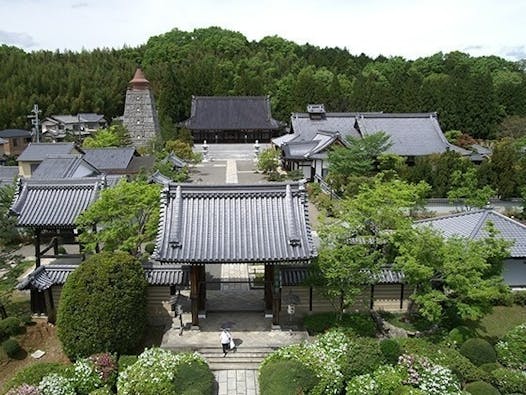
column 10, row 326
column 125, row 361
column 286, row 377
column 33, row 374
column 461, row 366
column 194, row 378
column 519, row 297
column 386, row 380
column 149, row 248
column 24, row 389
column 460, row 334
column 155, row 372
column 511, row 350
column 84, row 377
column 102, row 391
column 478, row 351
column 103, row 306
column 55, row 384
column 390, row 350
column 481, row 388
column 365, row 356
column 361, row 324
column 509, row 381
column 11, row 347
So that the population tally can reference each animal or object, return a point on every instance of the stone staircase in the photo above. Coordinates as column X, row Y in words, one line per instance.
column 245, row 358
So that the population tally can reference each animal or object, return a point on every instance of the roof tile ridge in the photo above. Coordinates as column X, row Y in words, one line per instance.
column 480, row 223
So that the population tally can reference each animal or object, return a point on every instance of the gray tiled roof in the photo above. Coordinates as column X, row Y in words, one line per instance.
column 64, row 166
column 111, row 158
column 316, row 148
column 472, row 224
column 290, row 276
column 8, row 133
column 54, row 203
column 46, row 276
column 36, row 152
column 231, row 113
column 177, row 162
column 138, row 163
column 234, row 223
column 410, row 134
column 8, row 174
column 306, row 129
column 159, row 178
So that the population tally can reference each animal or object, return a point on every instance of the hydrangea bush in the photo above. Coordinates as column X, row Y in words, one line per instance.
column 154, row 372
column 511, row 350
column 385, row 380
column 24, row 389
column 55, row 384
column 84, row 377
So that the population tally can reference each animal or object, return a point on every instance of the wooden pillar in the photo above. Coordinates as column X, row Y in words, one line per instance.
column 401, row 296
column 194, row 294
column 37, row 247
column 55, row 245
column 276, row 297
column 371, row 306
column 310, row 298
column 202, row 288
column 269, row 281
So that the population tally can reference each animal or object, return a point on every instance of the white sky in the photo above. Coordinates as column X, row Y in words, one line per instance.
column 408, row 28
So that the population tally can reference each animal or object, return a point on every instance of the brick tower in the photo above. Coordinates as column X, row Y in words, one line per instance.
column 140, row 113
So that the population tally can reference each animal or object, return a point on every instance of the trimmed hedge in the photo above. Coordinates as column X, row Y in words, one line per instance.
column 286, row 377
column 360, row 324
column 125, row 361
column 364, row 357
column 33, row 374
column 481, row 388
column 194, row 378
column 11, row 347
column 103, row 306
column 511, row 350
column 478, row 351
column 460, row 334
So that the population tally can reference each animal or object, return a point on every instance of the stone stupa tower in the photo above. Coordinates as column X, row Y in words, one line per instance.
column 140, row 114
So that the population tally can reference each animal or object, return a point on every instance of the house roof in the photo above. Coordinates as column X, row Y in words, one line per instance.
column 159, row 178
column 305, row 129
column 139, row 81
column 37, row 152
column 291, row 276
column 110, row 158
column 54, row 203
column 231, row 113
column 234, row 223
column 8, row 174
column 410, row 134
column 472, row 225
column 79, row 118
column 177, row 162
column 138, row 163
column 316, row 148
column 62, row 166
column 45, row 276
column 10, row 133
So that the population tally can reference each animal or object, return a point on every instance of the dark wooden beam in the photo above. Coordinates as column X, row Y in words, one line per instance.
column 269, row 282
column 401, row 296
column 194, row 294
column 37, row 247
column 371, row 306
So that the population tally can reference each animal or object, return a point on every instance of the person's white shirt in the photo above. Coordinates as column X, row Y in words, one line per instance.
column 225, row 337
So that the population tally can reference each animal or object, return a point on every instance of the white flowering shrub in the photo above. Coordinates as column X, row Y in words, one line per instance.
column 431, row 378
column 383, row 381
column 55, row 384
column 511, row 350
column 326, row 356
column 24, row 389
column 154, row 372
column 85, row 377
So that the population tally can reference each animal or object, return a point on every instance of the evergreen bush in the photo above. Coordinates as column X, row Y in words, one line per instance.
column 194, row 378
column 11, row 347
column 125, row 361
column 365, row 356
column 490, row 367
column 103, row 306
column 286, row 377
column 481, row 388
column 460, row 334
column 360, row 324
column 10, row 326
column 390, row 350
column 478, row 351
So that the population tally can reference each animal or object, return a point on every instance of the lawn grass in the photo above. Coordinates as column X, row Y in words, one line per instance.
column 495, row 325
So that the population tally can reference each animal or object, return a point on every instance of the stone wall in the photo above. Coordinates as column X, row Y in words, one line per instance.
column 140, row 117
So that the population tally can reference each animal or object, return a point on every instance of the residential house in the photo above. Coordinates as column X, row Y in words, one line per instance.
column 65, row 166
column 473, row 225
column 14, row 141
column 57, row 127
column 232, row 119
column 35, row 153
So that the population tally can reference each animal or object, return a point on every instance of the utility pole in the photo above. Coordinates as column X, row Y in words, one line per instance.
column 35, row 121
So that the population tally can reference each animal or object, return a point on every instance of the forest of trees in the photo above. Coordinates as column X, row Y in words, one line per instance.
column 472, row 94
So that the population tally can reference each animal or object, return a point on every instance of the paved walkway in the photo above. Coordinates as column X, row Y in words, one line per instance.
column 237, row 382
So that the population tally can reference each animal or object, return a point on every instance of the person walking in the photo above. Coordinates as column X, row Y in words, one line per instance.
column 225, row 338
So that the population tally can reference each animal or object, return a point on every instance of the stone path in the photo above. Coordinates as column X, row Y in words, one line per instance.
column 237, row 382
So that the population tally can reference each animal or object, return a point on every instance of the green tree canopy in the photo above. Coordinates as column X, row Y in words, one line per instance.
column 464, row 188
column 113, row 136
column 126, row 216
column 103, row 306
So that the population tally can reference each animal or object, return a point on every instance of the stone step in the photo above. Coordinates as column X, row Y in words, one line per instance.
column 244, row 358
column 229, row 365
